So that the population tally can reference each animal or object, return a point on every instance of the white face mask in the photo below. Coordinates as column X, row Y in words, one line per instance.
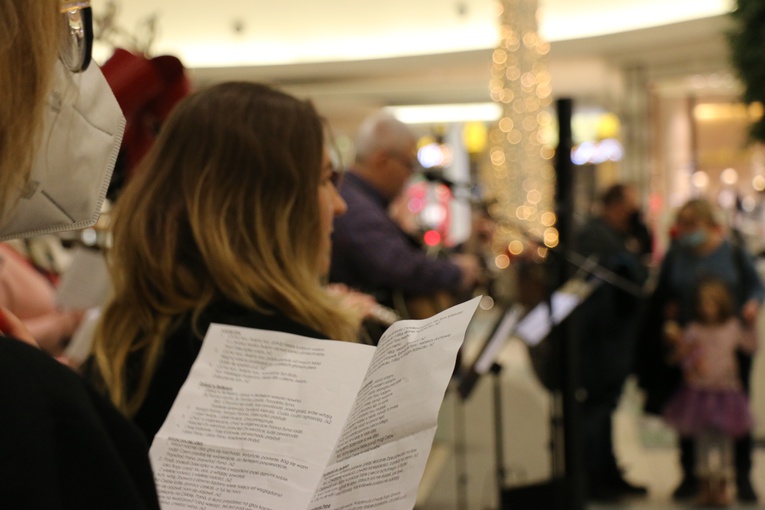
column 73, row 165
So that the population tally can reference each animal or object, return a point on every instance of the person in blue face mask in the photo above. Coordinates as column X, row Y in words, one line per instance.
column 701, row 250
column 62, row 445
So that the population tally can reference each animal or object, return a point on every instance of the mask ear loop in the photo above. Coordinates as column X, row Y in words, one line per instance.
column 77, row 46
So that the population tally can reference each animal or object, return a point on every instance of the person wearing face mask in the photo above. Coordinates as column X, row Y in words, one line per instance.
column 700, row 250
column 605, row 324
column 62, row 445
column 228, row 220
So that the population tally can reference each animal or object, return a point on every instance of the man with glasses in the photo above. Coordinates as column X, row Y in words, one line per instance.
column 371, row 253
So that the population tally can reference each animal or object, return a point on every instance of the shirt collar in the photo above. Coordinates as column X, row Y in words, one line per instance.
column 366, row 186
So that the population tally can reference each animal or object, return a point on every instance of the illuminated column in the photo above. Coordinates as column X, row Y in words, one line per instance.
column 522, row 178
column 636, row 168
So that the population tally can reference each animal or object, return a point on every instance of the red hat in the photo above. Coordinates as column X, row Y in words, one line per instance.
column 146, row 90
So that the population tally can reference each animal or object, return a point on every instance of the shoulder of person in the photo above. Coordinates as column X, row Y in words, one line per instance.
column 38, row 389
column 593, row 224
column 226, row 312
column 734, row 323
column 672, row 254
column 736, row 248
column 60, row 439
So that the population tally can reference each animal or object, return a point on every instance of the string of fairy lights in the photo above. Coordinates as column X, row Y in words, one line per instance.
column 521, row 175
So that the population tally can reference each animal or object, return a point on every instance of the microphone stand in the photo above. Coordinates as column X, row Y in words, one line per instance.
column 566, row 492
column 567, row 484
column 588, row 265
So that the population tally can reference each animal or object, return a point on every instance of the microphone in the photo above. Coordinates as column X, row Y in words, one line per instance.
column 431, row 175
column 461, row 190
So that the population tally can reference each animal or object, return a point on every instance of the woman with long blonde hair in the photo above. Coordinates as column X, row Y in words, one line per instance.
column 229, row 221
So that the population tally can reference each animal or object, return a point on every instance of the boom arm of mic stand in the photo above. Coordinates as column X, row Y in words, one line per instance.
column 588, row 265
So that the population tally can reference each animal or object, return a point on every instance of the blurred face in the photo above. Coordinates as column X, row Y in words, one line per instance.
column 708, row 309
column 687, row 222
column 331, row 204
column 400, row 164
column 691, row 231
column 624, row 211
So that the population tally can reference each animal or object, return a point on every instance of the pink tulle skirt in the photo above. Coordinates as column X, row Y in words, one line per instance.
column 695, row 410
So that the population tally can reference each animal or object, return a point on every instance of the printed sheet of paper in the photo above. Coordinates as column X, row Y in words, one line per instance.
column 380, row 456
column 265, row 417
column 256, row 421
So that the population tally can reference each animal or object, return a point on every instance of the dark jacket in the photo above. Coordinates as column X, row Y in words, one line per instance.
column 182, row 348
column 63, row 446
column 607, row 318
column 372, row 254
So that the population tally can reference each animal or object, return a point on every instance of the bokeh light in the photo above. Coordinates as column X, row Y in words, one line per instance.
column 521, row 178
column 515, row 247
column 502, row 261
column 729, row 176
column 432, row 238
column 700, row 179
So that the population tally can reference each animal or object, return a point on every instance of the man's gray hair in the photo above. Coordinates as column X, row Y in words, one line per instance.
column 381, row 131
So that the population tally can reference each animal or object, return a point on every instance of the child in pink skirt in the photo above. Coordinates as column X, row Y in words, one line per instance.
column 711, row 405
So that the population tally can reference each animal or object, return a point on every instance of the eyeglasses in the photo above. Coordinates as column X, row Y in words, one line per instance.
column 77, row 44
column 336, row 177
column 411, row 163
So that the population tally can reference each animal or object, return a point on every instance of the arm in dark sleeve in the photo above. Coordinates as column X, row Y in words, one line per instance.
column 655, row 376
column 750, row 277
column 374, row 245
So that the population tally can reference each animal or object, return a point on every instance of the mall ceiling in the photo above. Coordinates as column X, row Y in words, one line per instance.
column 351, row 57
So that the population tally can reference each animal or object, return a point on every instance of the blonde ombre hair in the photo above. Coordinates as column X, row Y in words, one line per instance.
column 30, row 37
column 225, row 205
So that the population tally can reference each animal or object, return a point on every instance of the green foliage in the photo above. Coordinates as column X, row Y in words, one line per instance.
column 747, row 50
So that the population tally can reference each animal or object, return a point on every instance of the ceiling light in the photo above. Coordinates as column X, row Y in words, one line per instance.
column 445, row 113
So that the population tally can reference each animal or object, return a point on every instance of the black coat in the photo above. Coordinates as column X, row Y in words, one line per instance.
column 62, row 445
column 181, row 350
column 607, row 318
